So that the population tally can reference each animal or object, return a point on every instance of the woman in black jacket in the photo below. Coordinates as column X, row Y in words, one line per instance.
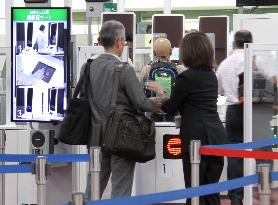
column 195, row 96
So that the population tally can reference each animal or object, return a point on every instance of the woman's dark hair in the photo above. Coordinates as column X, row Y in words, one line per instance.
column 241, row 37
column 128, row 37
column 149, row 29
column 196, row 51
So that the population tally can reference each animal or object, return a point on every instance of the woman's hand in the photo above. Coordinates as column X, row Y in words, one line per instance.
column 158, row 102
column 154, row 86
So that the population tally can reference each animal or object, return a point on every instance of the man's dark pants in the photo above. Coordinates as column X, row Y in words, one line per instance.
column 234, row 128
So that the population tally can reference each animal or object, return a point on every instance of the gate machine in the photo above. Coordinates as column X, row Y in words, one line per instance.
column 39, row 95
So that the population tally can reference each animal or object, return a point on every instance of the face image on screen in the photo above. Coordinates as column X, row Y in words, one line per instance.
column 39, row 63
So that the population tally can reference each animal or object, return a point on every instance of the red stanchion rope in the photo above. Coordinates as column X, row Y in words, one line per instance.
column 238, row 153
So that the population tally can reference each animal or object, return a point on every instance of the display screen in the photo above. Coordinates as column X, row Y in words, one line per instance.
column 256, row 2
column 97, row 0
column 128, row 20
column 35, row 1
column 175, row 55
column 40, row 70
column 172, row 25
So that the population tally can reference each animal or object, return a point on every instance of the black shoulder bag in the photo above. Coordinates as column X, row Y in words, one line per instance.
column 128, row 135
column 76, row 125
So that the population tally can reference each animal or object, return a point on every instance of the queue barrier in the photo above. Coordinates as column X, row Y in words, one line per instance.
column 39, row 165
column 52, row 158
column 180, row 194
column 25, row 158
column 235, row 150
column 263, row 177
column 41, row 170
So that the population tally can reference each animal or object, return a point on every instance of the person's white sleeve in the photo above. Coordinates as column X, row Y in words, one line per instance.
column 220, row 87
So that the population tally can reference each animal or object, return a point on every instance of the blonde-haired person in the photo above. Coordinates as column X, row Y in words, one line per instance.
column 162, row 66
column 162, row 51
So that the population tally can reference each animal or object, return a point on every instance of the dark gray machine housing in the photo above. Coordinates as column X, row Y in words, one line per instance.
column 42, row 141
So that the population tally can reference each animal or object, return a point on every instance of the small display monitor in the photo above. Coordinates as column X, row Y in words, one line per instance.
column 172, row 25
column 175, row 55
column 40, row 64
column 256, row 2
column 128, row 19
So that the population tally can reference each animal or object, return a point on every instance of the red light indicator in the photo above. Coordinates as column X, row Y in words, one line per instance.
column 174, row 146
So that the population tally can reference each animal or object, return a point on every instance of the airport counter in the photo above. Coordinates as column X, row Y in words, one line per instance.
column 159, row 174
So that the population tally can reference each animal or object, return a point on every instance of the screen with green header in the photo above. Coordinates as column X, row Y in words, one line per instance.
column 40, row 71
column 40, row 14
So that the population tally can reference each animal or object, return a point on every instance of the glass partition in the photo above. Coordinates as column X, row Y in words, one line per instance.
column 142, row 58
column 260, row 106
column 3, row 66
column 2, row 9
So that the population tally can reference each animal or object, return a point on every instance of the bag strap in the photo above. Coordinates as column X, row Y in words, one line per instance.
column 81, row 85
column 86, row 84
column 116, row 79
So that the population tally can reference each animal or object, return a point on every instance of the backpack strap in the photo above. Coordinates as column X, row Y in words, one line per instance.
column 161, row 66
column 165, row 64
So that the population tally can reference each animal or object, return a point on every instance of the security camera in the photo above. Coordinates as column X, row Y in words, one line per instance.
column 91, row 9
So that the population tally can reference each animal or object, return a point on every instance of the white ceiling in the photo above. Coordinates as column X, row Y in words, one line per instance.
column 159, row 4
column 179, row 3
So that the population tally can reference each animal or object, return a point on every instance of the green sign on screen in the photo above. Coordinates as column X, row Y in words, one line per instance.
column 40, row 14
column 110, row 7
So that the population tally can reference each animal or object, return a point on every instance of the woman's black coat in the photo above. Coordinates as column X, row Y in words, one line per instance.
column 195, row 96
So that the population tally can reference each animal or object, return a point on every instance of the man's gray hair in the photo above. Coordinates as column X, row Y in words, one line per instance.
column 110, row 32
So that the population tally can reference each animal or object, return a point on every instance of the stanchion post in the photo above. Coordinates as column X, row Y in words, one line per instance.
column 40, row 170
column 95, row 156
column 195, row 163
column 264, row 183
column 2, row 176
column 78, row 198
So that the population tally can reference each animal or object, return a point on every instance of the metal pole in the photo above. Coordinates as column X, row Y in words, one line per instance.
column 264, row 183
column 2, row 176
column 8, row 5
column 240, row 10
column 121, row 5
column 90, row 39
column 167, row 7
column 41, row 162
column 95, row 156
column 195, row 163
column 78, row 198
